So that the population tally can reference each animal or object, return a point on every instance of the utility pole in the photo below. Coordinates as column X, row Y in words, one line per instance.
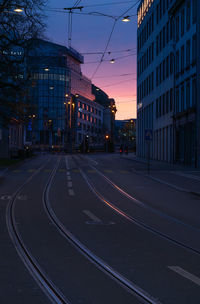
column 71, row 9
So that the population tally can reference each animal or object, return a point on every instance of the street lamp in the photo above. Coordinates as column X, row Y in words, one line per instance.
column 126, row 19
column 112, row 61
column 18, row 10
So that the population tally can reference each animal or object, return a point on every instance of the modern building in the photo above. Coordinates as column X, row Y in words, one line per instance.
column 109, row 112
column 64, row 108
column 168, row 78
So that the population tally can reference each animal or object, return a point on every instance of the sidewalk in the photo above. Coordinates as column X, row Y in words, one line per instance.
column 180, row 178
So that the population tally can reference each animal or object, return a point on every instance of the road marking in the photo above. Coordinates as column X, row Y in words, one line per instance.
column 68, row 177
column 71, row 192
column 67, row 163
column 68, row 173
column 123, row 171
column 185, row 274
column 47, row 170
column 108, row 171
column 62, row 170
column 6, row 197
column 91, row 171
column 31, row 170
column 92, row 160
column 16, row 171
column 69, row 184
column 76, row 170
column 92, row 216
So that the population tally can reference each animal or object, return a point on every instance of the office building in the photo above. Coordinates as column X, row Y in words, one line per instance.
column 168, row 80
column 64, row 110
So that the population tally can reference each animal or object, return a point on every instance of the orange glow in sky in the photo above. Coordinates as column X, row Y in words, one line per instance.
column 90, row 34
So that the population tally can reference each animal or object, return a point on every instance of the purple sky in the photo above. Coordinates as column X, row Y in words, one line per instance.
column 90, row 34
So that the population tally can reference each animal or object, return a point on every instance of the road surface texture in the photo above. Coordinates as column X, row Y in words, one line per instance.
column 97, row 229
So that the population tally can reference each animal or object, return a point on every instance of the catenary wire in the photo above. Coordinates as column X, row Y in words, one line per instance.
column 113, row 27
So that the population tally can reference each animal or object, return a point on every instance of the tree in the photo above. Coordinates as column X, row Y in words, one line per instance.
column 16, row 33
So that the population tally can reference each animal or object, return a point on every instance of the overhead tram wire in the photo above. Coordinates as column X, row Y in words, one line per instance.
column 119, row 82
column 107, row 60
column 113, row 27
column 99, row 4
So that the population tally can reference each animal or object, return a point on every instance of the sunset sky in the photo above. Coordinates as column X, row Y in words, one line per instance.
column 90, row 34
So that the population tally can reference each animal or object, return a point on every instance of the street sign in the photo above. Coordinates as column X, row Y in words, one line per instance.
column 148, row 134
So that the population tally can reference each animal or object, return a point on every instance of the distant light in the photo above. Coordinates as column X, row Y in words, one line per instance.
column 66, row 95
column 34, row 115
column 51, row 88
column 126, row 19
column 69, row 102
column 76, row 95
column 18, row 10
column 46, row 69
column 97, row 89
column 64, row 103
column 112, row 61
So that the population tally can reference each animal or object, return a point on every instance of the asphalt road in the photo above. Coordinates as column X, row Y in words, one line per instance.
column 89, row 229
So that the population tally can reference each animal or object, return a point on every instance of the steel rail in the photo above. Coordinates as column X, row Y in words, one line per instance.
column 31, row 264
column 133, row 219
column 100, row 263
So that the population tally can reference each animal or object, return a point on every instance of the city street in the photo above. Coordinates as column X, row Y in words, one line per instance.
column 96, row 228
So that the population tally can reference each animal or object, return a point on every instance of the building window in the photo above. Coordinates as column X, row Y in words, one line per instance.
column 188, row 102
column 156, row 108
column 157, row 13
column 194, row 11
column 182, row 98
column 164, row 37
column 182, row 59
column 171, row 63
column 164, row 105
column 171, row 99
column 160, row 106
column 188, row 13
column 194, row 49
column 182, row 22
column 177, row 100
column 177, row 63
column 188, row 54
column 167, row 67
column 194, row 92
column 177, row 28
column 167, row 32
column 163, row 69
column 167, row 102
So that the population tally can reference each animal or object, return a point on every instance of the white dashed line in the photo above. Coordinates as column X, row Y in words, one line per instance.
column 71, row 192
column 68, row 173
column 92, row 216
column 69, row 184
column 185, row 274
column 67, row 163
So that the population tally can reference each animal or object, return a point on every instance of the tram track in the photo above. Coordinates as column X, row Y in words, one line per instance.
column 130, row 217
column 29, row 261
column 137, row 292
